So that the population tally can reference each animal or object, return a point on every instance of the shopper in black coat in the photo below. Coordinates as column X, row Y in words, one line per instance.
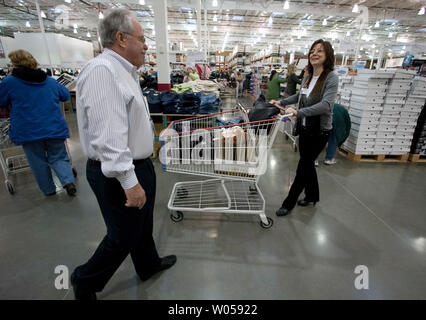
column 314, row 122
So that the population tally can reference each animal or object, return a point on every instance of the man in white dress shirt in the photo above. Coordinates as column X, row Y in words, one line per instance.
column 116, row 134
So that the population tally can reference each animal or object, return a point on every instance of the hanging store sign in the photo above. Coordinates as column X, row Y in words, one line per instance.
column 193, row 58
column 347, row 47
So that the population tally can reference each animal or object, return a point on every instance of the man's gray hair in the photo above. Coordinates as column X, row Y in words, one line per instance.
column 116, row 20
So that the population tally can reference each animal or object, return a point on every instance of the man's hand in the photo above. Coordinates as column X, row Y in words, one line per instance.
column 135, row 197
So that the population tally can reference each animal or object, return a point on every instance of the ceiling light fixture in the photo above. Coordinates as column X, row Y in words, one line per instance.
column 101, row 15
column 355, row 8
column 75, row 26
column 286, row 5
column 421, row 11
column 168, row 27
column 390, row 35
column 270, row 20
column 348, row 34
column 75, row 30
column 42, row 14
column 142, row 2
column 324, row 22
column 377, row 25
column 215, row 28
column 68, row 1
column 27, row 24
column 88, row 34
column 215, row 18
column 214, row 3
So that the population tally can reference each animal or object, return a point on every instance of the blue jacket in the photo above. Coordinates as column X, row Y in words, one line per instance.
column 35, row 108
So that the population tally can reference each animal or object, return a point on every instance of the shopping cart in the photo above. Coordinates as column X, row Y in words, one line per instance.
column 287, row 129
column 204, row 146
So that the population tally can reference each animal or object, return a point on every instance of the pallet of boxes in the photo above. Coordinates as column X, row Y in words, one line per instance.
column 383, row 115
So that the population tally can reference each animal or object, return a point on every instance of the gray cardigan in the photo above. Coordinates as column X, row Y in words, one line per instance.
column 324, row 108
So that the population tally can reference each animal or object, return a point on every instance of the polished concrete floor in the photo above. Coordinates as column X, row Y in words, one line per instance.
column 370, row 214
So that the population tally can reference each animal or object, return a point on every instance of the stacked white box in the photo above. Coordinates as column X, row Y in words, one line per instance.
column 368, row 93
column 402, row 84
column 397, row 130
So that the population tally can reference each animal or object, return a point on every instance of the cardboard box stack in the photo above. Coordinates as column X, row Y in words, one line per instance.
column 384, row 107
column 368, row 92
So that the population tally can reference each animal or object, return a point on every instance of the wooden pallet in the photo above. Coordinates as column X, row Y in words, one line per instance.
column 421, row 158
column 373, row 158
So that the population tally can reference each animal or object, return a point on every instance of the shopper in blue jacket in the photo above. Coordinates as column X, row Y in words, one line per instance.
column 36, row 121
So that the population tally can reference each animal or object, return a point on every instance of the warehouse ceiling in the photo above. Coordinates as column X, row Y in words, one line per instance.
column 257, row 24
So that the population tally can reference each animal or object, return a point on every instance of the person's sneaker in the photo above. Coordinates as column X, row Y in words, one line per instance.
column 50, row 194
column 316, row 163
column 71, row 189
column 328, row 162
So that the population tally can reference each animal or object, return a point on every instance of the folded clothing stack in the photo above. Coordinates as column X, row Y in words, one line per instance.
column 170, row 101
column 205, row 86
column 187, row 102
column 209, row 103
column 154, row 100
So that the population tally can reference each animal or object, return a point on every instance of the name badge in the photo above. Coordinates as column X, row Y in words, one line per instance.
column 304, row 91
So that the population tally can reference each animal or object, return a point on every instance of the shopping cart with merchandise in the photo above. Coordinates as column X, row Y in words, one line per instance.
column 229, row 150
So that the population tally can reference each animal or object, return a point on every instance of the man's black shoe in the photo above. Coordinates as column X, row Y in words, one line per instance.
column 305, row 203
column 165, row 263
column 71, row 189
column 282, row 212
column 81, row 294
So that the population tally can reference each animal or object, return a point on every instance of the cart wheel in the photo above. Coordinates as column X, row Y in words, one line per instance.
column 176, row 216
column 74, row 172
column 252, row 189
column 10, row 187
column 182, row 193
column 295, row 147
column 268, row 225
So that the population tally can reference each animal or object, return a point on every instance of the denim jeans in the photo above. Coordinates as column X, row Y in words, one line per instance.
column 330, row 152
column 42, row 155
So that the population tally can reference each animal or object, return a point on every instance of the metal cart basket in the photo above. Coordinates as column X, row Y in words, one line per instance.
column 228, row 149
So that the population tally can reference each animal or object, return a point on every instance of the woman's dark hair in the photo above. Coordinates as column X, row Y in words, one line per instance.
column 328, row 63
column 272, row 74
column 329, row 56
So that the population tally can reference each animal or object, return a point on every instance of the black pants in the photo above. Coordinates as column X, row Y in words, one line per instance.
column 129, row 230
column 310, row 146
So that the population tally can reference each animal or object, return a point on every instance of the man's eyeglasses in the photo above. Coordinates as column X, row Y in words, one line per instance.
column 141, row 39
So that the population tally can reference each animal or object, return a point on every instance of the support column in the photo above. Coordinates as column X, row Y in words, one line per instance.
column 205, row 29
column 198, row 8
column 40, row 20
column 162, row 44
column 343, row 60
column 372, row 60
column 380, row 58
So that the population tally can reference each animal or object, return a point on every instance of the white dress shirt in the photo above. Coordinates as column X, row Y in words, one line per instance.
column 113, row 116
